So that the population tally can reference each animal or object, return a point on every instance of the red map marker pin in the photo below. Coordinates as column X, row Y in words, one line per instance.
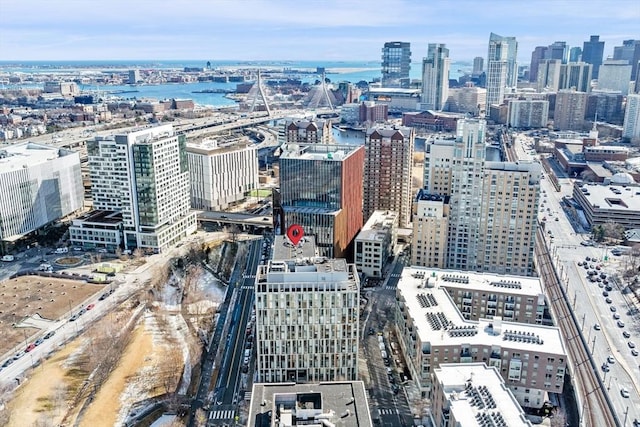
column 295, row 233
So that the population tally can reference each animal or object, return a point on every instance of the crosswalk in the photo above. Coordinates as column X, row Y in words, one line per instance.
column 221, row 415
column 388, row 411
column 246, row 287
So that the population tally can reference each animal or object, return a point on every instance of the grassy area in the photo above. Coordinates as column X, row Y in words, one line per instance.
column 263, row 192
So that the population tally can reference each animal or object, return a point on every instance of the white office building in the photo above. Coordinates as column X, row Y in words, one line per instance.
column 307, row 317
column 615, row 75
column 221, row 174
column 144, row 175
column 39, row 184
column 631, row 125
column 435, row 77
column 376, row 242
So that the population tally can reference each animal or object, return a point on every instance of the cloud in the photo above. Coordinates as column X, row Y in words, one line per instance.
column 294, row 29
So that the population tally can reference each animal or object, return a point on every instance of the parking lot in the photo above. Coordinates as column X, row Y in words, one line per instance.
column 26, row 296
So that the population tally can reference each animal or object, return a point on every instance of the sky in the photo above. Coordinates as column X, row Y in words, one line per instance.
column 296, row 30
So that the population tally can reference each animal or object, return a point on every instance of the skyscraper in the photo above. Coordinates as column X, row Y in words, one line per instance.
column 549, row 75
column 631, row 125
column 486, row 206
column 570, row 109
column 396, row 64
column 478, row 65
column 615, row 75
column 387, row 171
column 592, row 52
column 502, row 69
column 145, row 176
column 466, row 194
column 435, row 77
column 630, row 52
column 307, row 316
column 557, row 50
column 537, row 56
column 575, row 54
column 321, row 190
column 576, row 75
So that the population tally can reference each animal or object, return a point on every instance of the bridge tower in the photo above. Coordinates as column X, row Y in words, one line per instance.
column 257, row 94
column 319, row 96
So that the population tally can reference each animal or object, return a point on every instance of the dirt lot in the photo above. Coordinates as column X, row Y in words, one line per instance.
column 29, row 295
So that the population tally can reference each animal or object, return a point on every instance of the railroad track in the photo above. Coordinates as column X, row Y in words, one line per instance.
column 596, row 406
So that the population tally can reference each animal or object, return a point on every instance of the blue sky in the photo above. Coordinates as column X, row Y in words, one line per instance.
column 341, row 30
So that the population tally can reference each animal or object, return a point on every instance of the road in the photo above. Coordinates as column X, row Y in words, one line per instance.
column 563, row 236
column 230, row 383
column 387, row 397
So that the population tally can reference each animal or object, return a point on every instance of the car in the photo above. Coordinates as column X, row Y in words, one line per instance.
column 371, row 331
column 608, row 287
column 616, row 316
column 626, row 334
column 631, row 344
column 30, row 347
column 634, row 352
column 610, row 359
column 613, row 309
column 77, row 249
column 90, row 306
column 7, row 363
column 605, row 293
column 608, row 300
column 38, row 341
column 18, row 355
column 620, row 324
column 102, row 251
column 580, row 263
column 73, row 318
column 605, row 367
column 588, row 259
column 82, row 311
column 49, row 335
column 624, row 392
column 103, row 296
column 596, row 327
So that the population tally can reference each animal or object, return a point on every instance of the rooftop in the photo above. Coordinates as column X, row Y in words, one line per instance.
column 326, row 152
column 620, row 198
column 379, row 225
column 476, row 392
column 438, row 320
column 103, row 217
column 28, row 154
column 283, row 249
column 340, row 404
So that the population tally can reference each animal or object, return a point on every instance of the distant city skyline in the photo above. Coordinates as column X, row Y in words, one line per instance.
column 329, row 30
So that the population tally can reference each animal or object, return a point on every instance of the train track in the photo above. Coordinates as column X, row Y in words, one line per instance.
column 595, row 406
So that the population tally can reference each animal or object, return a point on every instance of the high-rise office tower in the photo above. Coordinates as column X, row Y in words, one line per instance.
column 537, row 56
column 549, row 75
column 576, row 75
column 39, row 184
column 396, row 64
column 510, row 195
column 630, row 52
column 307, row 316
column 435, row 77
column 478, row 65
column 321, row 190
column 557, row 50
column 575, row 54
column 570, row 109
column 144, row 175
column 592, row 52
column 631, row 125
column 387, row 171
column 466, row 194
column 615, row 75
column 502, row 68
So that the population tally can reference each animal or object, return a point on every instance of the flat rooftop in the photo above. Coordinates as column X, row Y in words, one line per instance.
column 476, row 392
column 283, row 249
column 438, row 320
column 28, row 154
column 303, row 274
column 325, row 152
column 342, row 404
column 379, row 225
column 102, row 217
column 607, row 197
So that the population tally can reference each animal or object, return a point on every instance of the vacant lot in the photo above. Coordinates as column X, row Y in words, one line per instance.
column 26, row 296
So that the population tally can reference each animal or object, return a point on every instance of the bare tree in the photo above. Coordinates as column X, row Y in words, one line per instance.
column 201, row 417
column 558, row 418
column 138, row 254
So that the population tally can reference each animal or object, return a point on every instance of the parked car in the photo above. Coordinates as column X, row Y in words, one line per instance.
column 49, row 335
